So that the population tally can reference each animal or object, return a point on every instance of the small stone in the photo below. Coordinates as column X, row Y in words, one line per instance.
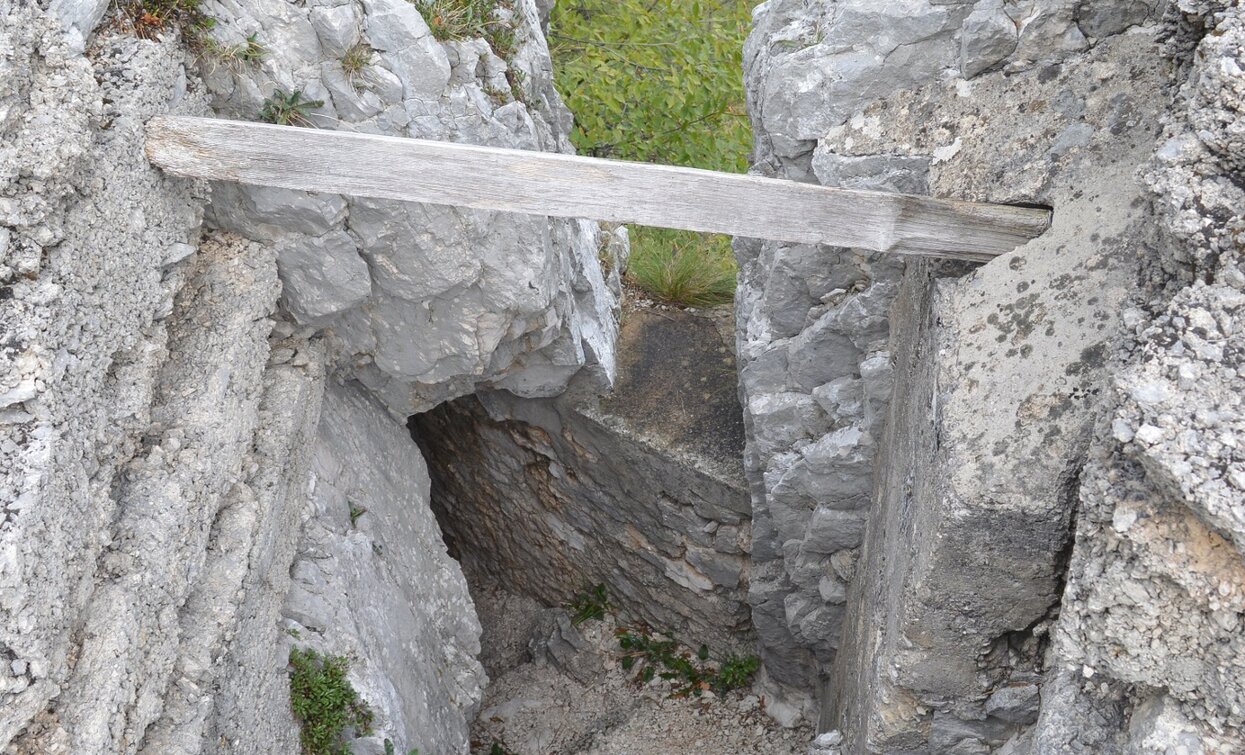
column 1149, row 434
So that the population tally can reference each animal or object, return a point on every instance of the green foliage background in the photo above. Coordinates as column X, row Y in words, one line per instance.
column 660, row 81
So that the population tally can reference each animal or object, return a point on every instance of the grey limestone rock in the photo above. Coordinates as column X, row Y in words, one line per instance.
column 372, row 579
column 506, row 301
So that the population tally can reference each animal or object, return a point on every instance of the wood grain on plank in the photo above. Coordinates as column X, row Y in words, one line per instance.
column 541, row 183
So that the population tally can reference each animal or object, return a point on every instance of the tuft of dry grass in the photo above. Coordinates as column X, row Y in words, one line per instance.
column 354, row 60
column 682, row 267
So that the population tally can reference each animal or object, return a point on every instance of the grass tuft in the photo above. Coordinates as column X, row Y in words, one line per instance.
column 457, row 20
column 358, row 57
column 325, row 703
column 235, row 56
column 682, row 267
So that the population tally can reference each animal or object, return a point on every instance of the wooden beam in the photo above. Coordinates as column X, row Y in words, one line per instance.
column 541, row 183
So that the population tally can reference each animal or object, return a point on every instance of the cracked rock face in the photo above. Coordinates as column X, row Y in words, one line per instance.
column 1152, row 610
column 1092, row 372
column 500, row 300
column 167, row 472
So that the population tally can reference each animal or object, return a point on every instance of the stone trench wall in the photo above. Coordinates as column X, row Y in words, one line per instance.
column 545, row 500
column 982, row 101
column 202, row 425
column 1064, row 414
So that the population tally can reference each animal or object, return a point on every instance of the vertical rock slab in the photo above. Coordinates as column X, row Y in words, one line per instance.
column 92, row 240
column 372, row 580
column 998, row 382
column 863, row 94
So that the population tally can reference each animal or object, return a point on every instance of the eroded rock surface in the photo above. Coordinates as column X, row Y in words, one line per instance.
column 163, row 477
column 503, row 301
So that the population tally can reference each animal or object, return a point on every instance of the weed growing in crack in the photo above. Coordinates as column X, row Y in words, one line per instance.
column 150, row 17
column 234, row 56
column 325, row 703
column 354, row 60
column 356, row 511
column 589, row 604
column 288, row 109
column 650, row 655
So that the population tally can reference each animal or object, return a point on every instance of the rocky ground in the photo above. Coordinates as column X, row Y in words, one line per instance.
column 557, row 688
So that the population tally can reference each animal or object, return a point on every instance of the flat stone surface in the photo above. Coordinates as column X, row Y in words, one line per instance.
column 676, row 387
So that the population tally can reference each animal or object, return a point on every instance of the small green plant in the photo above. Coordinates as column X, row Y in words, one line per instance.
column 150, row 17
column 288, row 109
column 681, row 266
column 325, row 703
column 589, row 604
column 391, row 750
column 355, row 59
column 498, row 749
column 736, row 671
column 356, row 512
column 456, row 20
column 651, row 656
column 293, row 632
column 235, row 56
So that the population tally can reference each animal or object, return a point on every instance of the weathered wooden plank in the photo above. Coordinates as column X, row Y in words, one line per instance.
column 540, row 183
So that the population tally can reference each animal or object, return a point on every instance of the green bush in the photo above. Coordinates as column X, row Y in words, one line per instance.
column 660, row 81
column 324, row 702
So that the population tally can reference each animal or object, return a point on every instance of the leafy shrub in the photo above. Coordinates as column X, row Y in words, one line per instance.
column 324, row 702
column 660, row 81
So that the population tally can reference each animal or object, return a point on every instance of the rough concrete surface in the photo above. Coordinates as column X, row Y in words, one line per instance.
column 1005, row 367
column 964, row 100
